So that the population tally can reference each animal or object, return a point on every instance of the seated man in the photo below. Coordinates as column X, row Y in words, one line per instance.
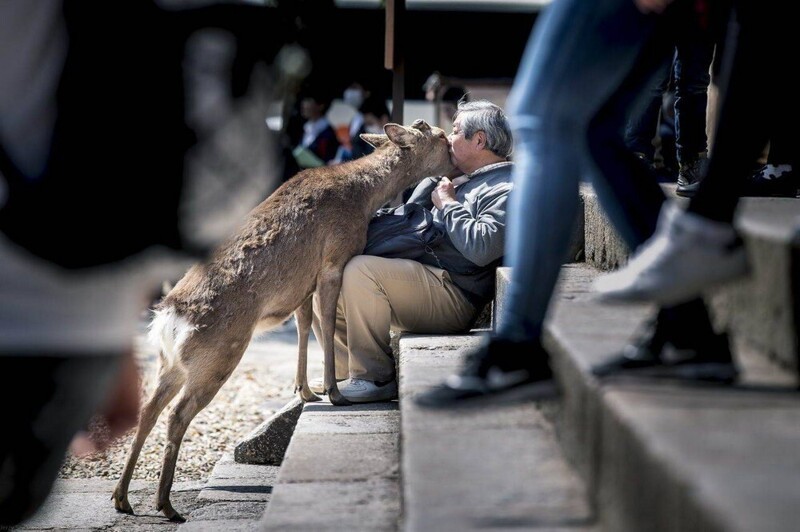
column 380, row 293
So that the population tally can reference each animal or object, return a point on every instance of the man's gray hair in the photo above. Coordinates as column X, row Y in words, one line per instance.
column 483, row 115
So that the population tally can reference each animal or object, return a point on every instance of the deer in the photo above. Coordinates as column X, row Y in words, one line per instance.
column 293, row 244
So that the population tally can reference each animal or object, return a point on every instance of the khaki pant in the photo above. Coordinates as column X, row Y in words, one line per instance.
column 380, row 294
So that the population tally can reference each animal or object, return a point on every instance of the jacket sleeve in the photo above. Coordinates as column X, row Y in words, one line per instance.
column 480, row 238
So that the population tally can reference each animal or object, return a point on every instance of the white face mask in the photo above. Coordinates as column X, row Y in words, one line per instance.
column 354, row 98
column 378, row 130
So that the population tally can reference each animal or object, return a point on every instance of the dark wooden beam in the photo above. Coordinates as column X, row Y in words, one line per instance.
column 393, row 58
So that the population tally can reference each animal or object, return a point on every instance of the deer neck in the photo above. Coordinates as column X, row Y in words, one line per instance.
column 394, row 172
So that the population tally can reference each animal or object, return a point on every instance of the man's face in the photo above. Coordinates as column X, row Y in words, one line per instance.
column 462, row 151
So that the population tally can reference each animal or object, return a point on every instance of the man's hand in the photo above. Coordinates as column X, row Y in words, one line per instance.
column 444, row 193
column 119, row 412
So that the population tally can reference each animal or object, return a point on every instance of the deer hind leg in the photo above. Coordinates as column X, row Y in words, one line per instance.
column 329, row 284
column 205, row 376
column 304, row 316
column 170, row 380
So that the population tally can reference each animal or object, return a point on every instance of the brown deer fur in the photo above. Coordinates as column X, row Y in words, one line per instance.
column 294, row 243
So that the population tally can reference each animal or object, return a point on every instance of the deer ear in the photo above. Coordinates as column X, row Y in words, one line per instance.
column 374, row 140
column 421, row 125
column 399, row 135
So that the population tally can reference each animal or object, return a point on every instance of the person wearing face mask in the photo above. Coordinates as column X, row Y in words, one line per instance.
column 354, row 95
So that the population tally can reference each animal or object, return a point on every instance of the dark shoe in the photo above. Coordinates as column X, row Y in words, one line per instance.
column 499, row 370
column 706, row 359
column 690, row 175
column 775, row 181
column 663, row 172
column 647, row 161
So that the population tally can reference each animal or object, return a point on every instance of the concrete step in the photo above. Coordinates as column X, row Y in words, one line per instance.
column 759, row 310
column 660, row 456
column 233, row 498
column 493, row 468
column 340, row 471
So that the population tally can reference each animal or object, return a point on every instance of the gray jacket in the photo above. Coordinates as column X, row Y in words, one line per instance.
column 475, row 229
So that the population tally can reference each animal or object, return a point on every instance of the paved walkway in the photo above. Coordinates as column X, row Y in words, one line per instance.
column 235, row 495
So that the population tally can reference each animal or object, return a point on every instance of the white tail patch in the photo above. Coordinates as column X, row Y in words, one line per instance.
column 168, row 332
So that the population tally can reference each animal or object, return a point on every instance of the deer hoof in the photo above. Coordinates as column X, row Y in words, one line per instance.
column 336, row 397
column 121, row 503
column 307, row 395
column 167, row 509
column 177, row 518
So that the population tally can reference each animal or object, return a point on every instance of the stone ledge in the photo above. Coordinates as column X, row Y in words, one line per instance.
column 671, row 457
column 758, row 310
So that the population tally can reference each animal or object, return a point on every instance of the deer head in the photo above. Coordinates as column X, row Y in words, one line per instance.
column 418, row 140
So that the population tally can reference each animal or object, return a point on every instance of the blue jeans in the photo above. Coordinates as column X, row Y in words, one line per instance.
column 643, row 121
column 584, row 66
column 692, row 54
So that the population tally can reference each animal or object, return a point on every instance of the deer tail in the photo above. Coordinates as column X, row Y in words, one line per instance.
column 168, row 332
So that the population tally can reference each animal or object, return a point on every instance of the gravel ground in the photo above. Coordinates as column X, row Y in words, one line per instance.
column 260, row 385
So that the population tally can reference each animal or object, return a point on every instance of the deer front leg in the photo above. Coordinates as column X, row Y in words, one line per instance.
column 304, row 315
column 329, row 284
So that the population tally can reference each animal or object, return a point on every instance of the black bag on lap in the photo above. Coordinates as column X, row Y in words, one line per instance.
column 404, row 232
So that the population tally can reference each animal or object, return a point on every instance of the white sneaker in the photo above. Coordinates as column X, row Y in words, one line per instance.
column 364, row 391
column 317, row 385
column 687, row 254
